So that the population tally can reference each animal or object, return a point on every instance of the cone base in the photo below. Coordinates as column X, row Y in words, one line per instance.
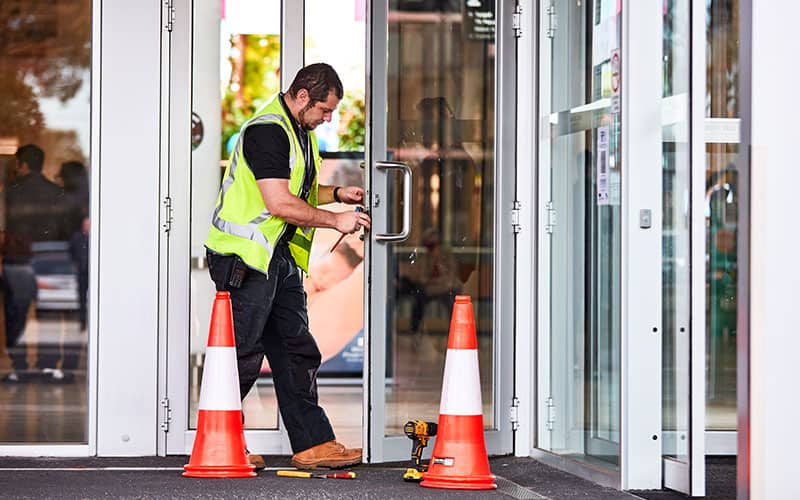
column 219, row 446
column 459, row 483
column 232, row 471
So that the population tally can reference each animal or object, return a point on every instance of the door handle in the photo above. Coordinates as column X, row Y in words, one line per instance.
column 403, row 234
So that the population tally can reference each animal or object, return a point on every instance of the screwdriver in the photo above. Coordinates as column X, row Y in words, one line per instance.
column 330, row 475
column 358, row 209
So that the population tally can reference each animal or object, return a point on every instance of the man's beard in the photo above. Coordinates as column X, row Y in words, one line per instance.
column 303, row 123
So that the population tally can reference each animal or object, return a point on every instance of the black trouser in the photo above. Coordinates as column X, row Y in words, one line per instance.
column 270, row 318
column 19, row 291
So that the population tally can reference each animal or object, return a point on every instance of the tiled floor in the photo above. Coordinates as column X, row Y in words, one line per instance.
column 43, row 410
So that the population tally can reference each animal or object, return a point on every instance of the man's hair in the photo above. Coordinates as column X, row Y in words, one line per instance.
column 32, row 155
column 319, row 80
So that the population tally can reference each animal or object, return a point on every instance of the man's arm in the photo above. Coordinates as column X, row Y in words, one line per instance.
column 281, row 203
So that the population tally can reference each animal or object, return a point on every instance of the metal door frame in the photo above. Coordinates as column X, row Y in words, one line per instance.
column 640, row 407
column 174, row 434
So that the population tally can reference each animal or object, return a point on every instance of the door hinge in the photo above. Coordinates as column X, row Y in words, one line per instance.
column 516, row 21
column 513, row 414
column 551, row 413
column 169, row 14
column 515, row 226
column 552, row 21
column 167, row 415
column 551, row 219
column 167, row 224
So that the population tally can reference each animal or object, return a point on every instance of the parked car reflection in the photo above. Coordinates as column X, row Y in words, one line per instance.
column 56, row 277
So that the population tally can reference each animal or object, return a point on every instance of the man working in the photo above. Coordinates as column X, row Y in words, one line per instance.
column 259, row 243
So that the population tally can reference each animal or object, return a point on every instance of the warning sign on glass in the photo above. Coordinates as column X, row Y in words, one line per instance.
column 616, row 80
column 602, row 166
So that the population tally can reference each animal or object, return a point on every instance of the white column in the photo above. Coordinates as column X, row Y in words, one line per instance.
column 774, row 336
column 127, row 226
column 642, row 84
column 292, row 40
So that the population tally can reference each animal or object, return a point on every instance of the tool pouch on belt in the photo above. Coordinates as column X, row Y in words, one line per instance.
column 227, row 271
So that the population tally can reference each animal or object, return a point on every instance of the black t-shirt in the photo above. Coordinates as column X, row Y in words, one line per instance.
column 266, row 150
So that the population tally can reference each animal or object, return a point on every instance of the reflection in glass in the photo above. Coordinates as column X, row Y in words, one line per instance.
column 440, row 120
column 342, row 48
column 44, row 219
column 722, row 107
column 676, row 231
column 585, row 185
column 335, row 282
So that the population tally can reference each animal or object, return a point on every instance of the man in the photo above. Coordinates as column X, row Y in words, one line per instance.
column 259, row 243
column 33, row 213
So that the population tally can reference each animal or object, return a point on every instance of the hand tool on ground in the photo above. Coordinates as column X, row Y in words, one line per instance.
column 419, row 431
column 329, row 475
column 358, row 209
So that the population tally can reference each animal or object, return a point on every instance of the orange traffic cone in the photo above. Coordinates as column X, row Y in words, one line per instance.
column 219, row 446
column 459, row 460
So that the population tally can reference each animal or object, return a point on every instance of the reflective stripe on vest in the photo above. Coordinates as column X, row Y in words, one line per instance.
column 251, row 231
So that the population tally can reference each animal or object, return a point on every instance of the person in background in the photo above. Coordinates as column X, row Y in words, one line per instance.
column 79, row 252
column 258, row 247
column 75, row 181
column 33, row 214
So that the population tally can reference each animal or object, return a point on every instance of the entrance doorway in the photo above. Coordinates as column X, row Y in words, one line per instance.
column 379, row 305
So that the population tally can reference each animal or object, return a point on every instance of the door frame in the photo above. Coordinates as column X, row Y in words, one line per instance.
column 377, row 447
column 528, row 246
column 640, row 350
column 173, row 387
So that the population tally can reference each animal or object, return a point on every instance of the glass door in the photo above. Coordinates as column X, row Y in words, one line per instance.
column 434, row 188
column 229, row 56
column 580, row 185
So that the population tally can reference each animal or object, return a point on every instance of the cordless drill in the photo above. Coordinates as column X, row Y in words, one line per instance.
column 419, row 432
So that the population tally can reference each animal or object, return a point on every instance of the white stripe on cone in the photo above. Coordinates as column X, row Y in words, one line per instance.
column 461, row 388
column 220, row 375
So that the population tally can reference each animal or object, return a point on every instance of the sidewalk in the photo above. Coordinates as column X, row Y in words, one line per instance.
column 159, row 477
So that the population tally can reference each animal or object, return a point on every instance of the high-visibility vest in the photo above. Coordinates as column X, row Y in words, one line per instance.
column 241, row 223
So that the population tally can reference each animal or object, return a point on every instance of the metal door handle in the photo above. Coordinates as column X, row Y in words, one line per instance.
column 402, row 235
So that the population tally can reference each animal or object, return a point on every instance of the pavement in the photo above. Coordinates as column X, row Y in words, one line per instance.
column 160, row 477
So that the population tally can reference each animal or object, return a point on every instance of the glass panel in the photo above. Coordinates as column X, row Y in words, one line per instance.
column 344, row 49
column 440, row 119
column 585, row 173
column 722, row 146
column 45, row 80
column 335, row 283
column 227, row 87
column 676, row 230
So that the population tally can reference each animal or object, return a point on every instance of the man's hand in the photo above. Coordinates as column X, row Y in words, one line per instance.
column 350, row 222
column 351, row 195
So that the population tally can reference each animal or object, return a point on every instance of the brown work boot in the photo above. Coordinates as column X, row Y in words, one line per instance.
column 331, row 454
column 256, row 460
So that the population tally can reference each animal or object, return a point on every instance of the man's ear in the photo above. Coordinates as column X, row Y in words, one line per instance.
column 302, row 97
